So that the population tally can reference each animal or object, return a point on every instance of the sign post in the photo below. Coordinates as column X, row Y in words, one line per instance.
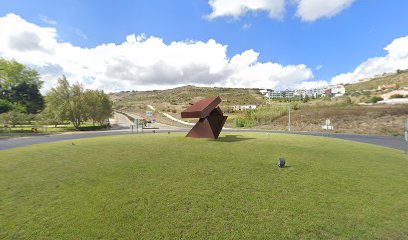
column 327, row 126
column 137, row 125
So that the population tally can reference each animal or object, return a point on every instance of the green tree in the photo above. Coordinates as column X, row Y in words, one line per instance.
column 72, row 103
column 66, row 102
column 99, row 106
column 20, row 85
column 13, row 118
column 5, row 106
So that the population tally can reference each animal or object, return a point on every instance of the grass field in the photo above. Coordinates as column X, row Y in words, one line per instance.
column 168, row 186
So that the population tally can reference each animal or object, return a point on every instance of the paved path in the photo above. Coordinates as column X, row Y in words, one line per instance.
column 121, row 126
column 161, row 126
column 386, row 141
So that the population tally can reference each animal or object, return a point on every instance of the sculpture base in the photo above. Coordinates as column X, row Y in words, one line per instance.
column 208, row 127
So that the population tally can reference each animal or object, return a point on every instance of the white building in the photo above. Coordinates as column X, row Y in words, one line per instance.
column 330, row 91
column 243, row 107
column 338, row 90
column 280, row 94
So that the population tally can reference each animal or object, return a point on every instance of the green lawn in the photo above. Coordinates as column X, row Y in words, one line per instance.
column 167, row 186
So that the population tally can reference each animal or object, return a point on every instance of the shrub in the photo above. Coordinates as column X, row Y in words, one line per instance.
column 5, row 106
column 13, row 118
column 376, row 99
column 397, row 96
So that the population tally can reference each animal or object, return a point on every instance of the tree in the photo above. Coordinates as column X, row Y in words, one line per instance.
column 92, row 105
column 27, row 95
column 13, row 118
column 99, row 106
column 77, row 105
column 57, row 101
column 73, row 103
column 66, row 102
column 20, row 85
column 5, row 106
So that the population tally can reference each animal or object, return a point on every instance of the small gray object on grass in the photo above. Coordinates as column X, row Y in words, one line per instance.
column 281, row 162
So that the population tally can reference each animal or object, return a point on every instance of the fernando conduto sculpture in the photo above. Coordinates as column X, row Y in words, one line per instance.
column 211, row 118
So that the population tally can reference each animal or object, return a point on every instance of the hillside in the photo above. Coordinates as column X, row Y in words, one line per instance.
column 345, row 112
column 177, row 99
column 400, row 78
column 189, row 94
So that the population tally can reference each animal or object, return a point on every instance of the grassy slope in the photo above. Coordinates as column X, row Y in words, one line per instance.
column 167, row 186
column 376, row 120
column 372, row 120
column 401, row 79
column 186, row 95
column 173, row 101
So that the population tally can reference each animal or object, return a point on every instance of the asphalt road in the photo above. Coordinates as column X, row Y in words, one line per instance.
column 8, row 143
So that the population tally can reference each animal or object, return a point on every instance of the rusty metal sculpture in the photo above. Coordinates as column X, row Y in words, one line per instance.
column 211, row 118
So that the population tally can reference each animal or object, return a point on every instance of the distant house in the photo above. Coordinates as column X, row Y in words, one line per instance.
column 387, row 86
column 337, row 90
column 243, row 107
column 280, row 94
column 264, row 91
column 329, row 91
column 314, row 92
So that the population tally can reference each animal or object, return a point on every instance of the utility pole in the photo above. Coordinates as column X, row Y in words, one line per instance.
column 406, row 136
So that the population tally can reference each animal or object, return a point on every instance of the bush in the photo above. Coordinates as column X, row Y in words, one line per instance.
column 347, row 101
column 239, row 122
column 5, row 106
column 13, row 118
column 376, row 99
column 397, row 96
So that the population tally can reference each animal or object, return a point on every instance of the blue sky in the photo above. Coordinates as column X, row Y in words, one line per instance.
column 338, row 43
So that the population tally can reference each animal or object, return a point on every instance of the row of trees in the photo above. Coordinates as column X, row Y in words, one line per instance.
column 73, row 103
column 21, row 100
column 19, row 88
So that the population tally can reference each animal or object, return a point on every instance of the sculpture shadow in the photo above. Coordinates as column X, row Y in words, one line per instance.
column 232, row 138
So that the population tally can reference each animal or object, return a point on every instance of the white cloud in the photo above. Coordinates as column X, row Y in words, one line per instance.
column 80, row 33
column 238, row 8
column 246, row 26
column 140, row 62
column 396, row 58
column 47, row 20
column 307, row 10
column 311, row 10
column 318, row 67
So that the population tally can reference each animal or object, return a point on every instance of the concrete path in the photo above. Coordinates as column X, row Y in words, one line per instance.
column 121, row 126
column 158, row 125
column 385, row 141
